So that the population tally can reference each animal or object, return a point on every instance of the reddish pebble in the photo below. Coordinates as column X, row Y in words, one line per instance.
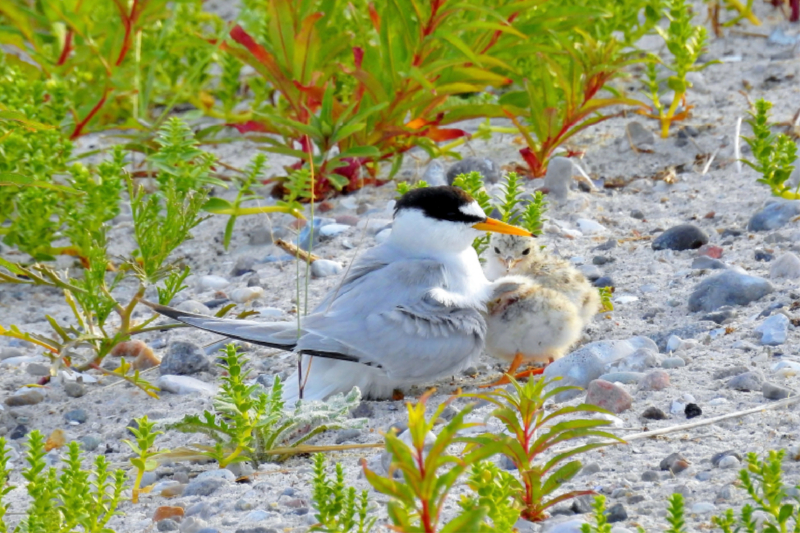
column 710, row 214
column 168, row 511
column 297, row 223
column 655, row 380
column 324, row 207
column 608, row 396
column 709, row 250
column 347, row 220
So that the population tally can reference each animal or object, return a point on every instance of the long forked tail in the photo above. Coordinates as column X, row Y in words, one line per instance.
column 282, row 335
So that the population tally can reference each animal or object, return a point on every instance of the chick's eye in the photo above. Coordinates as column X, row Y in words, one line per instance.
column 527, row 251
column 497, row 250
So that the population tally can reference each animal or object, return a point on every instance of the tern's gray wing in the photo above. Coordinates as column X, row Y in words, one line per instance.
column 273, row 334
column 385, row 315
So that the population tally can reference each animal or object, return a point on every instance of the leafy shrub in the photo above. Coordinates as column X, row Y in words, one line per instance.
column 339, row 508
column 774, row 154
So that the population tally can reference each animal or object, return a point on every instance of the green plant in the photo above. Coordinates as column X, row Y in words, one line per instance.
column 606, row 304
column 685, row 43
column 601, row 524
column 429, row 474
column 763, row 481
column 339, row 509
column 403, row 187
column 472, row 183
column 5, row 487
column 497, row 491
column 74, row 498
column 143, row 450
column 675, row 514
column 161, row 223
column 116, row 59
column 533, row 217
column 561, row 80
column 532, row 431
column 742, row 10
column 774, row 154
column 248, row 424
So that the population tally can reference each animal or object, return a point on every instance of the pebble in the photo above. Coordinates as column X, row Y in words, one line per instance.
column 590, row 227
column 674, row 343
column 604, row 281
column 204, row 487
column 641, row 359
column 244, row 265
column 654, row 413
column 728, row 461
column 590, row 469
column 786, row 266
column 707, row 263
column 8, row 353
column 577, row 369
column 683, row 237
column 76, row 415
column 435, row 174
column 692, row 410
column 184, row 358
column 727, row 372
column 253, row 517
column 639, row 136
column 201, row 509
column 322, row 268
column 774, row 330
column 568, row 526
column 673, row 362
column 26, row 397
column 214, row 283
column 167, row 511
column 775, row 215
column 591, row 272
column 332, row 230
column 193, row 525
column 558, row 178
column 617, row 513
column 626, row 378
column 138, row 352
column 728, row 288
column 347, row 435
column 18, row 432
column 246, row 294
column 703, row 508
column 608, row 396
column 654, row 380
column 720, row 316
column 89, row 443
column 674, row 462
column 363, row 410
column 168, row 524
column 650, row 475
column 726, row 493
column 775, row 392
column 709, row 250
column 637, row 214
column 73, row 389
column 38, row 369
column 749, row 381
column 193, row 306
column 486, row 166
column 185, row 385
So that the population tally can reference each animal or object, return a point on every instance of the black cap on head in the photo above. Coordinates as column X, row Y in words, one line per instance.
column 441, row 203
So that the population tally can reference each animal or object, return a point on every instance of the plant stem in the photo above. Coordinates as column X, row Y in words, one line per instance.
column 667, row 120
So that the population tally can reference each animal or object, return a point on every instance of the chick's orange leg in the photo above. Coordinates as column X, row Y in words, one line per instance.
column 515, row 364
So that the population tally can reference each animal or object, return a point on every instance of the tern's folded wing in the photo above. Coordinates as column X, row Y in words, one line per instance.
column 389, row 318
column 273, row 334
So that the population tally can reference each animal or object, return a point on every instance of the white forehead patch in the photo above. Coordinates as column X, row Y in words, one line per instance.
column 472, row 209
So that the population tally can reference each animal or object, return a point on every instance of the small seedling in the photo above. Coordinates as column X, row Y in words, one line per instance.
column 533, row 217
column 675, row 509
column 5, row 486
column 403, row 187
column 496, row 490
column 429, row 473
column 248, row 424
column 144, row 452
column 339, row 508
column 685, row 42
column 600, row 524
column 531, row 432
column 774, row 154
column 606, row 305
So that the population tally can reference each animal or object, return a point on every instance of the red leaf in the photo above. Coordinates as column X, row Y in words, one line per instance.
column 444, row 134
column 259, row 52
column 358, row 55
column 376, row 19
column 249, row 126
column 533, row 161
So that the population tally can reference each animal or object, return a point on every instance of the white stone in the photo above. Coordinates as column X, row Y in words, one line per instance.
column 322, row 268
column 626, row 299
column 674, row 343
column 185, row 385
column 590, row 227
column 214, row 282
column 677, row 407
column 729, row 461
column 332, row 230
column 245, row 294
column 703, row 507
column 785, row 266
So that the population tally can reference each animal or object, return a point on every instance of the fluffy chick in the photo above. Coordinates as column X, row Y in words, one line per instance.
column 510, row 255
column 530, row 324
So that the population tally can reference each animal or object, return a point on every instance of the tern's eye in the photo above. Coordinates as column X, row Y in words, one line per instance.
column 497, row 250
column 527, row 251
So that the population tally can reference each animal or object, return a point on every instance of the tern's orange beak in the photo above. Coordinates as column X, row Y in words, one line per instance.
column 496, row 226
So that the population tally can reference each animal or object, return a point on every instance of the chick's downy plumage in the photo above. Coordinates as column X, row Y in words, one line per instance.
column 542, row 318
column 511, row 255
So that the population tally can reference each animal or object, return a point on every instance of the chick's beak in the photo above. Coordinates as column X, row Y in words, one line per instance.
column 497, row 226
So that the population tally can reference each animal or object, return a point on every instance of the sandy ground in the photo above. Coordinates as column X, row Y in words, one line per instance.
column 659, row 282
